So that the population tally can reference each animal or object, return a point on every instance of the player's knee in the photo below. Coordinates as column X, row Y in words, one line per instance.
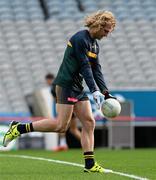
column 62, row 128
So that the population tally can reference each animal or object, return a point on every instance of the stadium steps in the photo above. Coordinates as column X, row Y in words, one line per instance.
column 30, row 47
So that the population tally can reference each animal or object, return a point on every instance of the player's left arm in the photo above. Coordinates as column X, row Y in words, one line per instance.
column 98, row 76
column 99, row 79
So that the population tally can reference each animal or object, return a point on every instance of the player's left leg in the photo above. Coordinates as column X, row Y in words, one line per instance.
column 83, row 111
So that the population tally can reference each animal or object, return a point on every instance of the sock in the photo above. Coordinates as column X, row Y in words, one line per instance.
column 25, row 128
column 63, row 141
column 89, row 159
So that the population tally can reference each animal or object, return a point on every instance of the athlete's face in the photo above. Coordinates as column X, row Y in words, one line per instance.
column 104, row 31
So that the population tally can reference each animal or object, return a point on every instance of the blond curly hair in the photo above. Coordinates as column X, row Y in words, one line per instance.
column 100, row 19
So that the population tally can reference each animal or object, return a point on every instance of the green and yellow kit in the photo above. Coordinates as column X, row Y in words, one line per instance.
column 81, row 62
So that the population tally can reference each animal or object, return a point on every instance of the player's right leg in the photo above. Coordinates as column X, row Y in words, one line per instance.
column 45, row 125
column 60, row 125
column 11, row 134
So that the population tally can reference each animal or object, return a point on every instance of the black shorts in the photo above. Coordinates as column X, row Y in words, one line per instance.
column 68, row 96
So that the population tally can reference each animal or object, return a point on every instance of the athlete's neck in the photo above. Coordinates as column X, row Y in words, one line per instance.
column 91, row 34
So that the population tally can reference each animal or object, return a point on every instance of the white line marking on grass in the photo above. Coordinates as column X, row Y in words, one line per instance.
column 72, row 164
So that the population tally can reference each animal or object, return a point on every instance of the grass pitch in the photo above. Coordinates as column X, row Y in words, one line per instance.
column 140, row 162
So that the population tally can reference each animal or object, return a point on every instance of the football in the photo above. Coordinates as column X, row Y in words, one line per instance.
column 111, row 108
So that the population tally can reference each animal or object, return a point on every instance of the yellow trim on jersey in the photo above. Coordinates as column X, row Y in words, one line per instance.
column 69, row 44
column 91, row 54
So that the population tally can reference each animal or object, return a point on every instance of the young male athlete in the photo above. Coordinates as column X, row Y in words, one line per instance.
column 80, row 62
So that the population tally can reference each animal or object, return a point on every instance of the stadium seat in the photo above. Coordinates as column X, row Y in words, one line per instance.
column 31, row 46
